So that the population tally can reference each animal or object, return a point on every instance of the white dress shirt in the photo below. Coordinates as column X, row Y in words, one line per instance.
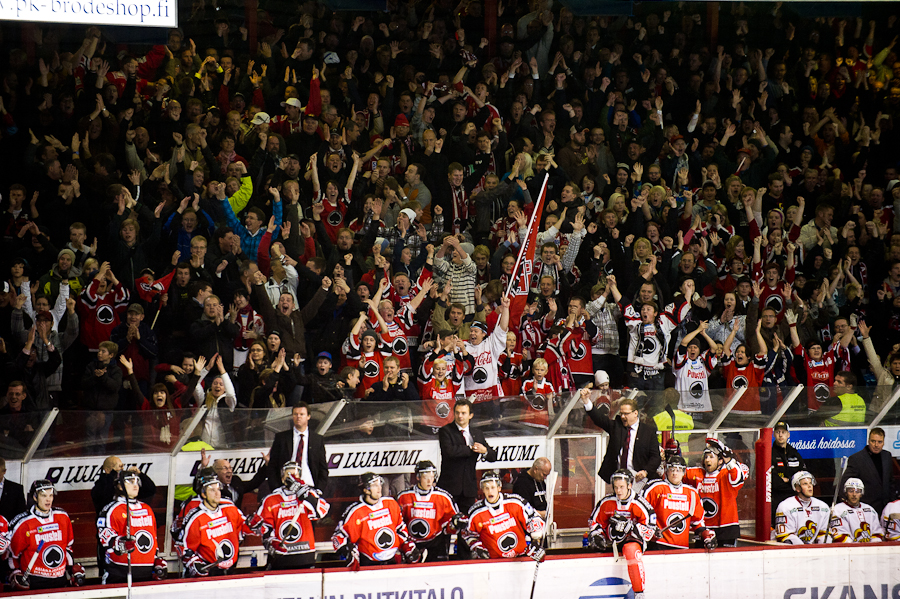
column 305, row 472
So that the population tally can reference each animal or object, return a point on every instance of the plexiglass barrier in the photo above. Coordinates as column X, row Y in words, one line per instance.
column 70, row 447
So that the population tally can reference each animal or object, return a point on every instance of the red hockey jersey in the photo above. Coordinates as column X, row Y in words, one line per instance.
column 100, row 314
column 4, row 537
column 537, row 397
column 635, row 508
column 501, row 527
column 277, row 512
column 427, row 513
column 396, row 339
column 439, row 399
column 749, row 376
column 213, row 534
column 718, row 494
column 29, row 529
column 376, row 530
column 671, row 502
column 510, row 373
column 819, row 377
column 112, row 524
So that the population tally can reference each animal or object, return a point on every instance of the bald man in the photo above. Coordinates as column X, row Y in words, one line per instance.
column 233, row 487
column 531, row 485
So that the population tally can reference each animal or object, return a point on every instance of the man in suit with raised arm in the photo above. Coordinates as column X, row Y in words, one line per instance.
column 303, row 446
column 632, row 443
column 461, row 445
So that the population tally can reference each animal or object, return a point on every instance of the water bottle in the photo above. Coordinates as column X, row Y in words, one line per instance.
column 253, row 561
column 584, row 541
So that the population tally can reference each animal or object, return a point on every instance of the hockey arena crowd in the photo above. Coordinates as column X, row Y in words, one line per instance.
column 446, row 204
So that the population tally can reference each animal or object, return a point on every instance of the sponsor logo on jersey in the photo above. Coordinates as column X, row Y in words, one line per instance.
column 502, row 526
column 139, row 512
column 47, row 528
column 288, row 504
column 218, row 522
column 142, row 521
column 612, row 587
column 55, row 535
column 219, row 531
column 287, row 512
column 377, row 523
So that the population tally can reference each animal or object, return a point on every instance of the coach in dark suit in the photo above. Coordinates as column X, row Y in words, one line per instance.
column 874, row 467
column 632, row 443
column 12, row 498
column 461, row 445
column 299, row 440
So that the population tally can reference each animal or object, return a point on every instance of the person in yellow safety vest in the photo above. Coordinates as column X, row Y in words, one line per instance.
column 683, row 420
column 852, row 409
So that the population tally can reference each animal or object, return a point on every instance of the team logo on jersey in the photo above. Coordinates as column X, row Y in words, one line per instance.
column 334, row 218
column 577, row 350
column 289, row 531
column 144, row 541
column 400, row 346
column 105, row 314
column 697, row 390
column 419, row 528
column 649, row 345
column 710, row 507
column 807, row 531
column 538, row 401
column 821, row 391
column 612, row 587
column 480, row 375
column 676, row 523
column 442, row 409
column 53, row 556
column 863, row 534
column 507, row 544
column 225, row 551
column 776, row 303
column 385, row 538
column 371, row 369
column 739, row 382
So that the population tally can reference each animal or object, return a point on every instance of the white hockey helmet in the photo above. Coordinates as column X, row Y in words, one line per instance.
column 802, row 475
column 856, row 484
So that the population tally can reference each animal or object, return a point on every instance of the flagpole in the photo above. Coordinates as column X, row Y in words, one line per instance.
column 538, row 208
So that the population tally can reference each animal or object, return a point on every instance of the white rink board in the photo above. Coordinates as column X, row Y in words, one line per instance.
column 778, row 573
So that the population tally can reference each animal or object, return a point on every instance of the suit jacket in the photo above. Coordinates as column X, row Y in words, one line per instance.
column 458, row 460
column 239, row 488
column 878, row 490
column 283, row 452
column 646, row 448
column 12, row 502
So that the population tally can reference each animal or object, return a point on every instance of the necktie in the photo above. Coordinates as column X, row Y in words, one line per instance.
column 623, row 459
column 299, row 457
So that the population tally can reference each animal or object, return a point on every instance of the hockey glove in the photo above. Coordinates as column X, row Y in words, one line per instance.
column 276, row 547
column 411, row 553
column 536, row 552
column 535, row 528
column 480, row 552
column 298, row 488
column 18, row 582
column 619, row 528
column 597, row 539
column 194, row 565
column 77, row 575
column 354, row 559
column 709, row 539
column 4, row 543
column 254, row 522
column 718, row 448
column 456, row 523
column 160, row 568
column 123, row 545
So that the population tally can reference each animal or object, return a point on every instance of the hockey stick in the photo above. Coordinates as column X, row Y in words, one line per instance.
column 659, row 532
column 671, row 414
column 128, row 536
column 537, row 565
column 550, row 484
column 34, row 557
column 837, row 488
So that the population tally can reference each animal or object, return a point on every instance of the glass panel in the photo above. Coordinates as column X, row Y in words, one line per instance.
column 21, row 429
column 573, row 496
column 95, row 433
